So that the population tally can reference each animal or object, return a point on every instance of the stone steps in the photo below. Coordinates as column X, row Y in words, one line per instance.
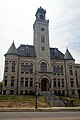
column 52, row 99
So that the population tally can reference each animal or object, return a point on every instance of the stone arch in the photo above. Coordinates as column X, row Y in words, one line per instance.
column 45, row 83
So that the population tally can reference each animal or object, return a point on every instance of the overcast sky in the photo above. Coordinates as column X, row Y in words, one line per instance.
column 17, row 18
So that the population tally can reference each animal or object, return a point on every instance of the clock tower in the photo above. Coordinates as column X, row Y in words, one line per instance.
column 41, row 37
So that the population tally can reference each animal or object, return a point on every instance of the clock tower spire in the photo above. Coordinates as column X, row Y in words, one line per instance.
column 41, row 36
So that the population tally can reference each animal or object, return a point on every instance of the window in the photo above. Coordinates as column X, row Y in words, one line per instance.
column 31, row 68
column 11, row 92
column 4, row 92
column 55, row 92
column 62, row 82
column 26, row 92
column 54, row 83
column 22, row 82
column 43, row 67
column 72, row 83
column 27, row 68
column 42, row 29
column 43, row 48
column 57, row 70
column 41, row 16
column 63, row 92
column 58, row 82
column 13, row 66
column 12, row 80
column 61, row 70
column 31, row 79
column 42, row 38
column 71, row 69
column 31, row 83
column 26, row 83
column 54, row 69
column 73, row 92
column 21, row 92
column 59, row 92
column 22, row 67
column 31, row 91
column 6, row 66
column 5, row 81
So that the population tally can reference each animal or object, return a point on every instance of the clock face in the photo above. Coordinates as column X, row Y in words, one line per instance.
column 42, row 29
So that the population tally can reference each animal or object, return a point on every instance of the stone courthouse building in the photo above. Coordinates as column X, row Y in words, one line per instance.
column 48, row 67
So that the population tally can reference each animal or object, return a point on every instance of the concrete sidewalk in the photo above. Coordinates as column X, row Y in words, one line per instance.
column 53, row 109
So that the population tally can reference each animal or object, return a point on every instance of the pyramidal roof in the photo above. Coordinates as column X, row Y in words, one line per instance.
column 12, row 49
column 68, row 55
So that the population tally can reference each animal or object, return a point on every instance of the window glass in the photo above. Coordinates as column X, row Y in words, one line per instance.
column 12, row 80
column 43, row 67
column 22, row 82
column 22, row 68
column 26, row 83
column 71, row 69
column 11, row 92
column 27, row 68
column 57, row 70
column 43, row 48
column 6, row 66
column 5, row 80
column 13, row 66
column 31, row 68
column 41, row 16
column 21, row 92
column 42, row 38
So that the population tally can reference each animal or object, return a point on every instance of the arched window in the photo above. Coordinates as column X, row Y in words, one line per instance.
column 71, row 69
column 27, row 68
column 22, row 67
column 6, row 66
column 54, row 69
column 31, row 68
column 61, row 69
column 43, row 67
column 13, row 66
column 57, row 69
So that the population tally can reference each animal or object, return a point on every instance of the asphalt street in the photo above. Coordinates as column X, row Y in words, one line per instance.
column 40, row 115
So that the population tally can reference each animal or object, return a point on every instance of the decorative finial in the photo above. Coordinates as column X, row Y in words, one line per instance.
column 13, row 42
column 66, row 48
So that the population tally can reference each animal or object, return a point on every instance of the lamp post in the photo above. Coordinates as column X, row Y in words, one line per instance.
column 36, row 97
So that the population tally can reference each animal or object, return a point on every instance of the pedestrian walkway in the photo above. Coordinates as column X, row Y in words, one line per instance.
column 52, row 109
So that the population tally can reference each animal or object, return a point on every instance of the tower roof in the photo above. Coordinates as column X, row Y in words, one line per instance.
column 41, row 10
column 68, row 55
column 12, row 49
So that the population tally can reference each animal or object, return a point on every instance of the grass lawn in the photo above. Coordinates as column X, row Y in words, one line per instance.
column 27, row 101
column 75, row 102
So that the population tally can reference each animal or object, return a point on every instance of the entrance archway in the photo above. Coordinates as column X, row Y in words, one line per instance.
column 44, row 84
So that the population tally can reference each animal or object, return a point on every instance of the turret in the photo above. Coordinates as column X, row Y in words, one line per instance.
column 40, row 14
column 12, row 50
column 67, row 55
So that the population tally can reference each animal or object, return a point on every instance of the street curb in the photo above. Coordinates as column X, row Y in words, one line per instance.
column 53, row 109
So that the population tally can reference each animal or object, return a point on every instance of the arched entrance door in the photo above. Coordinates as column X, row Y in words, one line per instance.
column 44, row 84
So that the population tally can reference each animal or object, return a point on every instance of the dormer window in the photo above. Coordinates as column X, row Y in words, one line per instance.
column 41, row 16
column 27, row 50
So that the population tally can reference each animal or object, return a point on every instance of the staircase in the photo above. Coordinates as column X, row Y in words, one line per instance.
column 52, row 99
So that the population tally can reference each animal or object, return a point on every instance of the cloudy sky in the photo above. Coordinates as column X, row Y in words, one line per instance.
column 17, row 18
